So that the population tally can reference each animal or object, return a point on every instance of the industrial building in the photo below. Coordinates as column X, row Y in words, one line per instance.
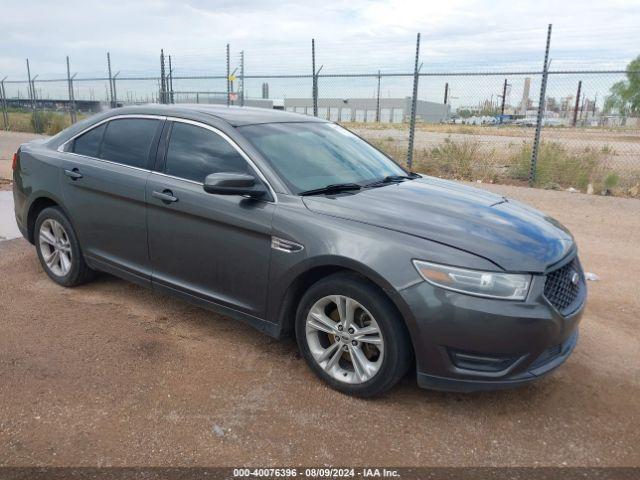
column 391, row 110
column 217, row 99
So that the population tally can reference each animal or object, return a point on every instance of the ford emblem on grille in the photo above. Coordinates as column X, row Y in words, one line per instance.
column 575, row 278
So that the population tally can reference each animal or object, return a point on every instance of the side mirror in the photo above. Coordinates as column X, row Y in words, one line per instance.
column 230, row 183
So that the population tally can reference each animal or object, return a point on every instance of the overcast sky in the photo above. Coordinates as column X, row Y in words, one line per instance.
column 350, row 35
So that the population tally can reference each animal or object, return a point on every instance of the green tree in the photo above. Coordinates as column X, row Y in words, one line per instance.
column 624, row 97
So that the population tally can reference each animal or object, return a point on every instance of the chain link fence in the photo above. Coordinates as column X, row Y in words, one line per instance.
column 485, row 126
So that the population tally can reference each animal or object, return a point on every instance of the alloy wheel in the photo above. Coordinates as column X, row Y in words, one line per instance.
column 344, row 339
column 55, row 247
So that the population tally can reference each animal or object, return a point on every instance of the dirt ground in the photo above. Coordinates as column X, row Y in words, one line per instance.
column 112, row 374
column 9, row 142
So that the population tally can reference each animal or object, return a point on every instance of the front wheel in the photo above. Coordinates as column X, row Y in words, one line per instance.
column 351, row 336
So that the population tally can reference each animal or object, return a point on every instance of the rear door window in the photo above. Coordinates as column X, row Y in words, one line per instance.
column 89, row 143
column 194, row 152
column 129, row 140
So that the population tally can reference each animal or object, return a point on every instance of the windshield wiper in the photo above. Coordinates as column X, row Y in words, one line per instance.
column 393, row 179
column 333, row 188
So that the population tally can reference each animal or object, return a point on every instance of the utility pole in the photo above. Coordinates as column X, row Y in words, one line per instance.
column 377, row 100
column 412, row 123
column 541, row 102
column 575, row 109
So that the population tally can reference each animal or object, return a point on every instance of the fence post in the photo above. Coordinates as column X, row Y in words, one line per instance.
column 72, row 103
column 446, row 93
column 162, row 78
column 32, row 98
column 314, row 81
column 575, row 109
column 115, row 91
column 504, row 99
column 171, row 99
column 241, row 89
column 110, row 81
column 3, row 95
column 412, row 123
column 228, row 79
column 378, row 100
column 541, row 105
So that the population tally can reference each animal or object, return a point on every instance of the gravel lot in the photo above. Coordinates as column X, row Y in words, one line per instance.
column 113, row 374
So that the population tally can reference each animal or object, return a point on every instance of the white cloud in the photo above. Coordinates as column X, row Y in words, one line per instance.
column 353, row 36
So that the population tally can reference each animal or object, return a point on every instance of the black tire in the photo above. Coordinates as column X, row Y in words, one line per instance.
column 79, row 272
column 398, row 353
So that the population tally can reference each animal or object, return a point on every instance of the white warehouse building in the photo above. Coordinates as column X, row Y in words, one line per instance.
column 392, row 110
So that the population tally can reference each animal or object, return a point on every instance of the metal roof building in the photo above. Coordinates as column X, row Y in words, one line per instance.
column 392, row 110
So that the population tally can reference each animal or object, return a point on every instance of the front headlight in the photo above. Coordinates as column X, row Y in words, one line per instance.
column 507, row 286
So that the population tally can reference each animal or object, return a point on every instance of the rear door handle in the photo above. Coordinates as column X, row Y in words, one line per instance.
column 166, row 196
column 73, row 174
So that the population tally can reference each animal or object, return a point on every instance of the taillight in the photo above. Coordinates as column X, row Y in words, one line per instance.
column 14, row 164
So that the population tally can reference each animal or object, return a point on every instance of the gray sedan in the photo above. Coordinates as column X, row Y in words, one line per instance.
column 297, row 226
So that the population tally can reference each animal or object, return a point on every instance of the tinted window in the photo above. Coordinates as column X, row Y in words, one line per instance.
column 195, row 152
column 89, row 143
column 312, row 155
column 128, row 141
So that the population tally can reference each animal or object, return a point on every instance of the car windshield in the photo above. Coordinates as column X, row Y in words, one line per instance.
column 309, row 155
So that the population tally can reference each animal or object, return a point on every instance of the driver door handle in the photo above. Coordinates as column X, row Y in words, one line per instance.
column 166, row 196
column 73, row 174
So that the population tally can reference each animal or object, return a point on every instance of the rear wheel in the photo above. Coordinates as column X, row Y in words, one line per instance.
column 58, row 249
column 351, row 336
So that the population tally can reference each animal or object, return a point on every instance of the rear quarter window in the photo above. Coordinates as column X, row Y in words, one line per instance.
column 128, row 141
column 89, row 143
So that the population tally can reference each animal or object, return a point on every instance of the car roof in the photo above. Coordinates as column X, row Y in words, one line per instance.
column 233, row 115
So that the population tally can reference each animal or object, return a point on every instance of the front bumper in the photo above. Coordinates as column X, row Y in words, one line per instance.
column 466, row 343
column 434, row 382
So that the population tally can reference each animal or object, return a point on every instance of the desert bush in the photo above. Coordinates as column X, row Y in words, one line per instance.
column 453, row 159
column 460, row 160
column 556, row 165
column 57, row 123
column 20, row 122
column 49, row 123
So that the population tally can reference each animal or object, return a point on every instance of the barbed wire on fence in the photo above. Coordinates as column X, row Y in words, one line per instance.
column 555, row 128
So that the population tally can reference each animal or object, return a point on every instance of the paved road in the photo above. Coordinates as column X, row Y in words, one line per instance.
column 8, row 226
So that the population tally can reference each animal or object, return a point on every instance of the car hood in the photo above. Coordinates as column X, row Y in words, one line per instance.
column 510, row 234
